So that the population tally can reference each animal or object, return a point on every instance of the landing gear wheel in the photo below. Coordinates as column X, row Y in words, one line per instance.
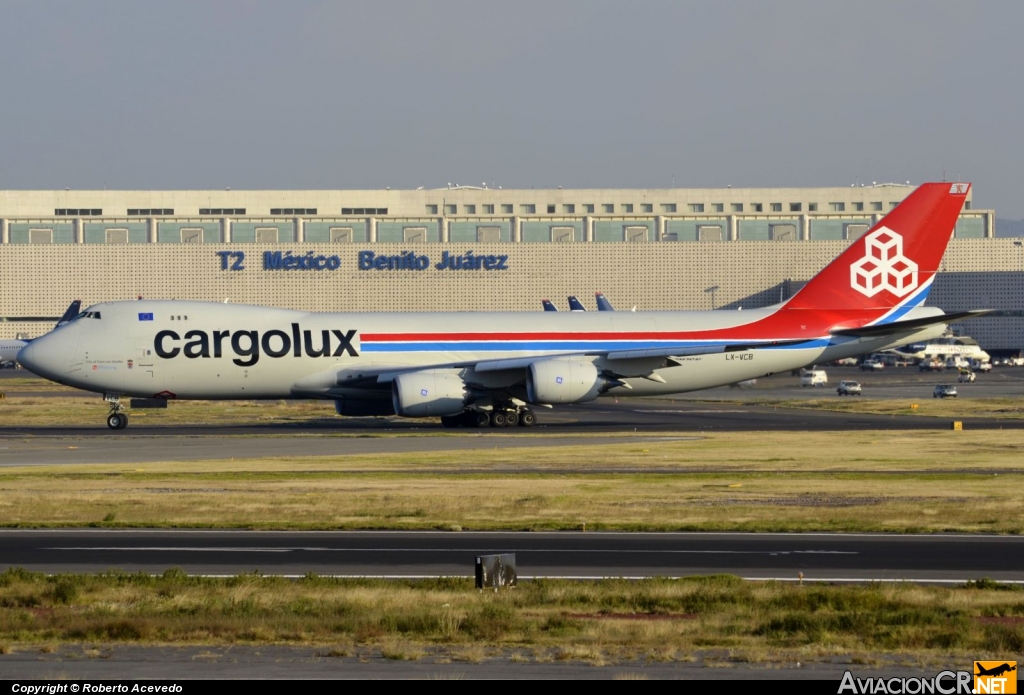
column 497, row 418
column 511, row 418
column 117, row 421
column 450, row 421
column 527, row 418
column 481, row 418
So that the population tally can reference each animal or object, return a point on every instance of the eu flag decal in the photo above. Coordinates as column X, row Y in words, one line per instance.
column 145, row 317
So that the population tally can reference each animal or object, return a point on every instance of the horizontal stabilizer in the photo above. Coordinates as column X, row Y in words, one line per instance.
column 895, row 327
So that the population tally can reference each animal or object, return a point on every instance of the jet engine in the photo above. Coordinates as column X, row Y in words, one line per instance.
column 565, row 381
column 422, row 394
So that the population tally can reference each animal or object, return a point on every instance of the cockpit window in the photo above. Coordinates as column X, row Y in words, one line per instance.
column 88, row 315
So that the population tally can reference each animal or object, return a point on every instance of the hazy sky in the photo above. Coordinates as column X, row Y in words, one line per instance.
column 523, row 94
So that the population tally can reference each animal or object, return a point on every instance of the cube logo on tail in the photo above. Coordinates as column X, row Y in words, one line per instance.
column 884, row 267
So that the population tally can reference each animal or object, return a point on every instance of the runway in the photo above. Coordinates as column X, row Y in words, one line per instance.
column 835, row 557
column 652, row 419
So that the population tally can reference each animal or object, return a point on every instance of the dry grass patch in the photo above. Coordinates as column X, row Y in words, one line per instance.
column 851, row 481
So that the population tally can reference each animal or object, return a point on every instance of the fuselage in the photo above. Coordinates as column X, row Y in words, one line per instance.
column 202, row 350
column 944, row 348
column 9, row 349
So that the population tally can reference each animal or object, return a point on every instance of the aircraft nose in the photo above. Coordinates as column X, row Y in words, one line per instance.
column 46, row 356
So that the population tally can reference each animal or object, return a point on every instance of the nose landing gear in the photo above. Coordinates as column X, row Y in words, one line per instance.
column 117, row 419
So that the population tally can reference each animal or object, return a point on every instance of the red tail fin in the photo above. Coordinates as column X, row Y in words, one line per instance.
column 892, row 265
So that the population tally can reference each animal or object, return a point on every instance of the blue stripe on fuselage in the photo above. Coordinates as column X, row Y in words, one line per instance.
column 912, row 303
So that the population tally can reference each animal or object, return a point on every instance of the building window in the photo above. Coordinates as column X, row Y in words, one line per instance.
column 351, row 211
column 431, row 210
column 563, row 235
column 221, row 211
column 528, row 208
column 635, row 234
column 414, row 235
column 116, row 235
column 812, row 207
column 893, row 203
column 627, row 207
column 551, row 209
column 876, row 205
column 668, row 207
column 191, row 235
column 646, row 207
column 488, row 235
column 758, row 207
column 40, row 236
column 292, row 211
column 78, row 212
column 709, row 232
column 588, row 207
column 853, row 231
column 782, row 232
column 737, row 207
column 506, row 208
column 150, row 211
column 488, row 209
column 795, row 207
column 569, row 209
column 776, row 207
column 859, row 207
column 967, row 205
column 266, row 235
column 696, row 207
column 608, row 207
column 718, row 207
column 341, row 235
column 837, row 207
column 451, row 209
column 471, row 209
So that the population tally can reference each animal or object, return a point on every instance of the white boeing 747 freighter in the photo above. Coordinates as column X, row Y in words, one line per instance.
column 476, row 369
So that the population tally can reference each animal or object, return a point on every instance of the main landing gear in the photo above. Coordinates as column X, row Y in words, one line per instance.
column 117, row 419
column 503, row 417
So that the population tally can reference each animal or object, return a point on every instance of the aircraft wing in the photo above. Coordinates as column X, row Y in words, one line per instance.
column 883, row 329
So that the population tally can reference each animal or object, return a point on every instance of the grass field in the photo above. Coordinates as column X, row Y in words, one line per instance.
column 723, row 618
column 825, row 481
column 828, row 481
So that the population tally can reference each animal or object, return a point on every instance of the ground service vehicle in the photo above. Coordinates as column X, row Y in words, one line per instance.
column 849, row 388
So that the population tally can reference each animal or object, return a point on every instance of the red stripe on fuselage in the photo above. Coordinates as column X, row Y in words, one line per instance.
column 786, row 325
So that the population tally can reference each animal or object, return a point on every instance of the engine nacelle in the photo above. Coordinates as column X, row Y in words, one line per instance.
column 422, row 394
column 363, row 407
column 564, row 381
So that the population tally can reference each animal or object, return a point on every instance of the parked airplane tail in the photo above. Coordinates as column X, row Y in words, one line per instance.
column 889, row 270
column 73, row 310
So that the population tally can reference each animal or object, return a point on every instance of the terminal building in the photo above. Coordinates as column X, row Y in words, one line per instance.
column 463, row 248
